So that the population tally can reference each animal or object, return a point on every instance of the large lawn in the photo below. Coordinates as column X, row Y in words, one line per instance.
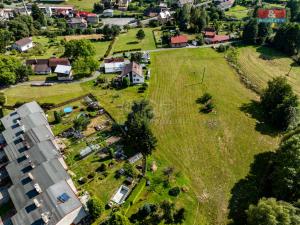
column 261, row 64
column 86, row 5
column 213, row 150
column 117, row 102
column 238, row 12
column 127, row 41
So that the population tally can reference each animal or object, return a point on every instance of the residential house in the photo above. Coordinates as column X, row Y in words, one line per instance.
column 163, row 6
column 210, row 37
column 134, row 72
column 41, row 190
column 181, row 3
column 108, row 13
column 54, row 62
column 77, row 23
column 114, row 65
column 64, row 73
column 23, row 44
column 46, row 66
column 6, row 14
column 123, row 4
column 164, row 16
column 179, row 41
column 92, row 18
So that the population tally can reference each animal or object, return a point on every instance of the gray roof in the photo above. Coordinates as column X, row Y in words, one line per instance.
column 36, row 169
column 63, row 69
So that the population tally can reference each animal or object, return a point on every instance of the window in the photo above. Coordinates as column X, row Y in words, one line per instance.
column 31, row 194
column 21, row 159
column 27, row 169
column 26, row 180
column 30, row 208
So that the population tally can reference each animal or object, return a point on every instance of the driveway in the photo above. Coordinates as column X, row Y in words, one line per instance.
column 116, row 21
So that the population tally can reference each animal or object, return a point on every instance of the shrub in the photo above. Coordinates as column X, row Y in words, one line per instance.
column 204, row 98
column 175, row 191
column 95, row 207
column 91, row 175
column 57, row 117
column 125, row 82
column 102, row 168
column 208, row 107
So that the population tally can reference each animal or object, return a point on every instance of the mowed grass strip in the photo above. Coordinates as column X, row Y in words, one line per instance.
column 213, row 150
column 127, row 41
column 261, row 64
column 53, row 94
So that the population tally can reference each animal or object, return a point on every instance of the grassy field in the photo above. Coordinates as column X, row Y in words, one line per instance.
column 212, row 150
column 128, row 40
column 238, row 12
column 100, row 47
column 86, row 5
column 261, row 64
column 117, row 102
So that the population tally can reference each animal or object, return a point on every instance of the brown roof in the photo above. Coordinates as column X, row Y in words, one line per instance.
column 36, row 61
column 133, row 67
column 53, row 62
column 24, row 41
column 112, row 60
column 41, row 68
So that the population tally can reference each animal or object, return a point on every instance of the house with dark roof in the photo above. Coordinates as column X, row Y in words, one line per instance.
column 41, row 190
column 23, row 44
column 46, row 66
column 134, row 72
column 77, row 23
column 179, row 41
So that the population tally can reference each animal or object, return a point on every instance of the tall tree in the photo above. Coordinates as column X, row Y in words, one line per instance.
column 38, row 15
column 272, row 212
column 286, row 175
column 279, row 102
column 264, row 32
column 5, row 38
column 79, row 48
column 138, row 133
column 140, row 34
column 250, row 32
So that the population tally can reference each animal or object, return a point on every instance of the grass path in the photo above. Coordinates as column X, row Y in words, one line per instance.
column 213, row 150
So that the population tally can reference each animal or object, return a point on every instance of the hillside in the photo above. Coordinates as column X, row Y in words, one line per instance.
column 212, row 150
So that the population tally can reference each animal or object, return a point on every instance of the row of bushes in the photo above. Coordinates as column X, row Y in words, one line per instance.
column 128, row 50
column 109, row 47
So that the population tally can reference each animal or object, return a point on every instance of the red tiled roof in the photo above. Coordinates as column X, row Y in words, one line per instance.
column 209, row 33
column 179, row 39
column 112, row 60
column 220, row 38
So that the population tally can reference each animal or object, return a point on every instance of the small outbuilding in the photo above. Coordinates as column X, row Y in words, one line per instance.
column 64, row 73
column 23, row 44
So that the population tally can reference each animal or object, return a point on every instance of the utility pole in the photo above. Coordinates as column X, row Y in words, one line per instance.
column 289, row 71
column 204, row 69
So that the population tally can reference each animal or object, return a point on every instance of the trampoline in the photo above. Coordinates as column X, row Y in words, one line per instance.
column 68, row 109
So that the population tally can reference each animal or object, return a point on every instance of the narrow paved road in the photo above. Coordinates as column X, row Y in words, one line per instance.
column 94, row 76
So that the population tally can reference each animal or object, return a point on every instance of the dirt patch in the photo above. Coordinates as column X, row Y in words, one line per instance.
column 101, row 121
column 87, row 36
